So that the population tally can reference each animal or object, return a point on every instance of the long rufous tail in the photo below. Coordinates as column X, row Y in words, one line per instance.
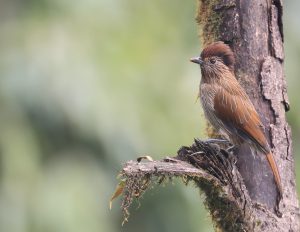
column 275, row 171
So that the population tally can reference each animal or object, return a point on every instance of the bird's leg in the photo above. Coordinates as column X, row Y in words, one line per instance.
column 216, row 141
column 231, row 149
column 226, row 142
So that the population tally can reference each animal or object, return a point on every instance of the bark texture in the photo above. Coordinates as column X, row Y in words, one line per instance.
column 240, row 191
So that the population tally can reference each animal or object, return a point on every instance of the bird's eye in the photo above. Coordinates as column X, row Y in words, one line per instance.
column 212, row 60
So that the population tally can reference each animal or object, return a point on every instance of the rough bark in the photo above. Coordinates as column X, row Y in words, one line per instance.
column 241, row 194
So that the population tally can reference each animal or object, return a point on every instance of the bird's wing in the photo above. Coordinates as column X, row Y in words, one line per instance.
column 239, row 116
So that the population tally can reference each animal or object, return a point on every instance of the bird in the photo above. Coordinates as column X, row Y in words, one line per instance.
column 227, row 106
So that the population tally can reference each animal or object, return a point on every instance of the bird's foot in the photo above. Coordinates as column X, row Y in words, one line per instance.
column 231, row 149
column 223, row 141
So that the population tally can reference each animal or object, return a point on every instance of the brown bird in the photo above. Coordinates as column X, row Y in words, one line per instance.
column 227, row 106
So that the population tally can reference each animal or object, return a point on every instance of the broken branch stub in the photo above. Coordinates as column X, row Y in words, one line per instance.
column 210, row 167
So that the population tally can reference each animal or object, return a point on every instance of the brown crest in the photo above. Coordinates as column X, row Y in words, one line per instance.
column 219, row 49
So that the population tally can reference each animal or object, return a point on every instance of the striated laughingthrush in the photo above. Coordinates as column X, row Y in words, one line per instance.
column 227, row 106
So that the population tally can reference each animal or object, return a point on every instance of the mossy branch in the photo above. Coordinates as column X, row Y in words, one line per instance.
column 214, row 172
column 211, row 168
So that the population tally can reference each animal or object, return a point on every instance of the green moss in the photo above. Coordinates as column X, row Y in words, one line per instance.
column 225, row 214
column 209, row 20
column 258, row 222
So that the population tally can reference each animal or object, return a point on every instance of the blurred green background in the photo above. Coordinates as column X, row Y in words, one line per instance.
column 88, row 85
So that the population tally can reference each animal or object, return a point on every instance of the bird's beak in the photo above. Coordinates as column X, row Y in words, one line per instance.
column 197, row 60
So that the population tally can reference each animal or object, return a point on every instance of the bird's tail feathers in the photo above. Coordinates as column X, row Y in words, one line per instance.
column 275, row 171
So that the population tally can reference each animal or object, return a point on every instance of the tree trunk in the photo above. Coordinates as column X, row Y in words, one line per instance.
column 254, row 31
column 241, row 194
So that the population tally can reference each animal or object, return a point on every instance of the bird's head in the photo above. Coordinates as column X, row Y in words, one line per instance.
column 215, row 59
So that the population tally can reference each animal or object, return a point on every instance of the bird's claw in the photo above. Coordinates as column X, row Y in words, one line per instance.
column 216, row 141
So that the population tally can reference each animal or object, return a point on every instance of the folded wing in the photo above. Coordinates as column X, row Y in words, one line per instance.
column 240, row 118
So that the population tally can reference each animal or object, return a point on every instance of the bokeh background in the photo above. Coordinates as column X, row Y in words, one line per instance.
column 88, row 85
